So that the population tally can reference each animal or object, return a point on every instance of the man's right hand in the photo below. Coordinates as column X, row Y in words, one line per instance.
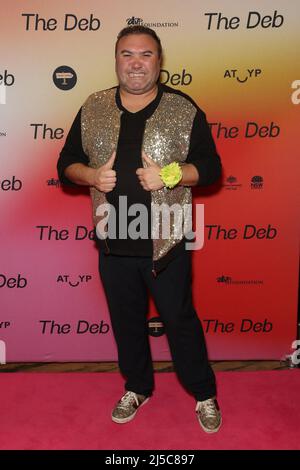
column 105, row 177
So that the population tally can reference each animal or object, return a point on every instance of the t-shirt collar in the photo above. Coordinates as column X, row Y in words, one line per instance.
column 145, row 112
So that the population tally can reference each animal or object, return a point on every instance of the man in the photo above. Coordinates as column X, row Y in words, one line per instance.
column 149, row 143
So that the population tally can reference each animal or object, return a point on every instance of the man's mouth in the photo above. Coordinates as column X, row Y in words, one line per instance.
column 136, row 74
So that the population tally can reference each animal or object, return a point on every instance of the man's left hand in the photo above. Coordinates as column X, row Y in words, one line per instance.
column 149, row 177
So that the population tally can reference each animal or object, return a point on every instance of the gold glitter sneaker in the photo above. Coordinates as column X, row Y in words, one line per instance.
column 209, row 415
column 126, row 408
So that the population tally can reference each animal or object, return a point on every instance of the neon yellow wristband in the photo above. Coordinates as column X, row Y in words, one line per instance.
column 171, row 174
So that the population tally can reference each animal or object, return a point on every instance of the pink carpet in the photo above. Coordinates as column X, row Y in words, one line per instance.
column 72, row 411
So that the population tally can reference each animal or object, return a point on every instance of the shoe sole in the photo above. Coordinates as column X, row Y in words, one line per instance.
column 126, row 420
column 210, row 431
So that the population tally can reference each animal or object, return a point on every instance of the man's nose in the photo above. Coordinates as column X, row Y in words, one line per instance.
column 136, row 62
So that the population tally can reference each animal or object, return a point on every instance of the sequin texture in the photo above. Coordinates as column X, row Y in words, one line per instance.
column 166, row 139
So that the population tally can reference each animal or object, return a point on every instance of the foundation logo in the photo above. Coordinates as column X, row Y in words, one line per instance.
column 156, row 327
column 136, row 21
column 257, row 182
column 228, row 281
column 54, row 182
column 64, row 77
column 242, row 76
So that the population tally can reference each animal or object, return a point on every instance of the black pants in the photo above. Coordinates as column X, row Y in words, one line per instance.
column 126, row 281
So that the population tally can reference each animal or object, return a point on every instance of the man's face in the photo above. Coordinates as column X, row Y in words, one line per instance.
column 137, row 63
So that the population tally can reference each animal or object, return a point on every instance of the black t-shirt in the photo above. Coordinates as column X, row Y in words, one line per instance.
column 128, row 160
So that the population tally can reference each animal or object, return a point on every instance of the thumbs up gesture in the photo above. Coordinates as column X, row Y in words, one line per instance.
column 149, row 177
column 105, row 177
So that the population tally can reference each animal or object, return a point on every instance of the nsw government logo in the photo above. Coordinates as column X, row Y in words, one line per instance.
column 257, row 182
column 64, row 77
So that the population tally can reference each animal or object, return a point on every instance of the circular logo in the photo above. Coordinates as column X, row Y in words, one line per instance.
column 64, row 77
column 156, row 327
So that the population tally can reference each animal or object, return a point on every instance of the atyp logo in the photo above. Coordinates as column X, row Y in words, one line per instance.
column 81, row 279
column 242, row 77
column 181, row 78
column 64, row 77
column 296, row 94
column 156, row 327
column 13, row 282
column 6, row 79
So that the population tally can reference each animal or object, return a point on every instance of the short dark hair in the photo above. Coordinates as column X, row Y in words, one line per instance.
column 139, row 29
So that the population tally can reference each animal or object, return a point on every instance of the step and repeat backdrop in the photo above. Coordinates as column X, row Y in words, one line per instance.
column 240, row 62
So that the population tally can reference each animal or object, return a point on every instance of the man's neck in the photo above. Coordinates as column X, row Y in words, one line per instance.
column 135, row 103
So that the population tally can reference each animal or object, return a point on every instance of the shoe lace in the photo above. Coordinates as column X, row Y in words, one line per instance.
column 128, row 399
column 208, row 406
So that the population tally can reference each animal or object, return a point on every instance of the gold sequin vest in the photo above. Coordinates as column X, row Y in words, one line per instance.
column 166, row 139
